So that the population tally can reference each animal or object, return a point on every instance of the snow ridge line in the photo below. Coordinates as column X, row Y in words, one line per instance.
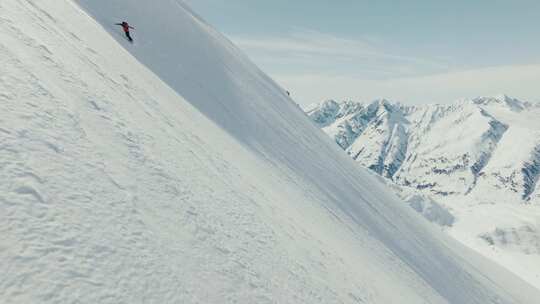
column 360, row 122
column 531, row 174
column 490, row 139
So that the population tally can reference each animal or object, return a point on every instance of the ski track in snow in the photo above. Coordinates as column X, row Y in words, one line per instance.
column 114, row 189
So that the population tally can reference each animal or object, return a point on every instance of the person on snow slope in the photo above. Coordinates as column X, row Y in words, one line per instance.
column 126, row 28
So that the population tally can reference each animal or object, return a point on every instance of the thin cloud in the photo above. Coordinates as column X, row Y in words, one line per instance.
column 316, row 66
column 312, row 50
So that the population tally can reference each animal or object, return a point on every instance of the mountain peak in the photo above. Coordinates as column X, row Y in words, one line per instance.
column 330, row 105
column 513, row 104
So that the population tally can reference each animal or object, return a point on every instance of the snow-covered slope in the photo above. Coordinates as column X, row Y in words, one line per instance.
column 472, row 166
column 192, row 179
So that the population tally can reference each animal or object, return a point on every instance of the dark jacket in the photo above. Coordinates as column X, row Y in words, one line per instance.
column 125, row 26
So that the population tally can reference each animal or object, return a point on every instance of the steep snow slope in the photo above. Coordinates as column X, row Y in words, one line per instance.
column 471, row 167
column 116, row 188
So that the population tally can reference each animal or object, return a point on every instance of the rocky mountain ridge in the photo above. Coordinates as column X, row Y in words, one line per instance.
column 440, row 149
column 471, row 167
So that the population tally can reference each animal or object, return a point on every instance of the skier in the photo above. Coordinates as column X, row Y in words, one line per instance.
column 126, row 28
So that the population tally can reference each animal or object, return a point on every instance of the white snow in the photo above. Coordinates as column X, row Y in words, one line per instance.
column 192, row 178
column 471, row 167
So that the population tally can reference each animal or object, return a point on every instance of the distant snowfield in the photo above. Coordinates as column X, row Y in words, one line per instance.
column 192, row 178
column 471, row 167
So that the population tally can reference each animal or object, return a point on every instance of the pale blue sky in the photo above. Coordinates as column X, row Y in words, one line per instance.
column 414, row 51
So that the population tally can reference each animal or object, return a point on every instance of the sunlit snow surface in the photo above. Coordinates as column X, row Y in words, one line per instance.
column 117, row 188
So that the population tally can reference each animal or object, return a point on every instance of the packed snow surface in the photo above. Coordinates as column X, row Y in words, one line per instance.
column 191, row 178
column 472, row 167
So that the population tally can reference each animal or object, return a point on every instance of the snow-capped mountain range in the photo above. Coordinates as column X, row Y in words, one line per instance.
column 472, row 167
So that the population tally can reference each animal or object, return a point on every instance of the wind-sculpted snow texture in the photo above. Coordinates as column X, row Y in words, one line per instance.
column 477, row 159
column 193, row 179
